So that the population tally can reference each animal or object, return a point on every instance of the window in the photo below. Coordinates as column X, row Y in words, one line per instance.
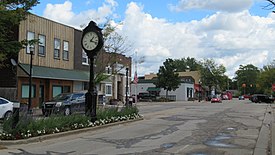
column 25, row 91
column 3, row 101
column 30, row 36
column 86, row 85
column 42, row 44
column 65, row 50
column 76, row 96
column 85, row 60
column 189, row 92
column 108, row 90
column 108, row 70
column 56, row 48
column 57, row 90
column 66, row 89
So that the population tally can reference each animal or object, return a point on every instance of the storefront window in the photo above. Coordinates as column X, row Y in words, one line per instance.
column 57, row 90
column 25, row 91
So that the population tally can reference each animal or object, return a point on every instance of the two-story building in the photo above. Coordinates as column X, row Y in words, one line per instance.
column 59, row 64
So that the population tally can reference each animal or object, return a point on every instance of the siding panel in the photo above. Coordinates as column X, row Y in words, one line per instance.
column 51, row 30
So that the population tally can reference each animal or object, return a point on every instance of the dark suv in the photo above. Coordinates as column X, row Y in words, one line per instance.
column 146, row 96
column 65, row 103
column 258, row 98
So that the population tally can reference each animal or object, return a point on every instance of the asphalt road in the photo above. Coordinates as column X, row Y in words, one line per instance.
column 192, row 128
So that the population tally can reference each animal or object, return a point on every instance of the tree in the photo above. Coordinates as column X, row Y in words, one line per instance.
column 11, row 13
column 115, row 45
column 212, row 75
column 267, row 78
column 246, row 77
column 113, row 41
column 167, row 78
column 270, row 5
column 186, row 63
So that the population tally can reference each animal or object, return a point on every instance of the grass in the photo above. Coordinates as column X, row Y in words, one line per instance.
column 29, row 127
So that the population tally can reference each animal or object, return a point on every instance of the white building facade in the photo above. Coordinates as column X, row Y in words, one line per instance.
column 183, row 93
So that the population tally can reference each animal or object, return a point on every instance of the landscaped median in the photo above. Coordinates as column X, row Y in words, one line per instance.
column 33, row 130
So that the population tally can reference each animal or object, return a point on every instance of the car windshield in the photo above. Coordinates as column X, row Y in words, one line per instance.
column 61, row 97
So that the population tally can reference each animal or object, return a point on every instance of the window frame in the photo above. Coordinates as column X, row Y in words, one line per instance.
column 85, row 56
column 107, row 93
column 30, row 38
column 55, row 86
column 26, row 95
column 42, row 45
column 57, row 48
column 65, row 50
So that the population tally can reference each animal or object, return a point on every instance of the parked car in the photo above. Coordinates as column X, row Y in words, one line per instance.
column 65, row 103
column 259, row 98
column 6, row 108
column 146, row 96
column 216, row 99
column 241, row 97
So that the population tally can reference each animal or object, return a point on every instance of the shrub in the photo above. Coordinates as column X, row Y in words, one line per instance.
column 31, row 127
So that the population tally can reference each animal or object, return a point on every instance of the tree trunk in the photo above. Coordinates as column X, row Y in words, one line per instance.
column 166, row 94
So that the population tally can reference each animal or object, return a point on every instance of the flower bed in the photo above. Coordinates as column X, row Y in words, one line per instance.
column 28, row 127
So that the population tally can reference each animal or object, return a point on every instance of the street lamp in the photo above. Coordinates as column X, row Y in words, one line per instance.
column 127, row 70
column 30, row 81
column 200, row 94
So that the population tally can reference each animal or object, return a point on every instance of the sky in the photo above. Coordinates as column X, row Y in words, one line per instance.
column 232, row 33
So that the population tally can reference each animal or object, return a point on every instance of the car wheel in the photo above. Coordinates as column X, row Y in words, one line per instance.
column 8, row 115
column 67, row 111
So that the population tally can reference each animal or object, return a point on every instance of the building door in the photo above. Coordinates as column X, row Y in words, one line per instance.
column 41, row 95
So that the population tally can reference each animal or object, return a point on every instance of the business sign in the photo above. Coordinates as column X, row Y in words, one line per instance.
column 273, row 87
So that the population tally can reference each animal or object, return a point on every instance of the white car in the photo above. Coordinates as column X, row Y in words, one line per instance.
column 6, row 108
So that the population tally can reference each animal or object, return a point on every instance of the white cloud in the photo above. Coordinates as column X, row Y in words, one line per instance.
column 214, row 5
column 230, row 38
column 63, row 13
column 59, row 12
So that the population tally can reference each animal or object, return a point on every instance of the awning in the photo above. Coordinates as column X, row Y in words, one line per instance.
column 153, row 89
column 57, row 73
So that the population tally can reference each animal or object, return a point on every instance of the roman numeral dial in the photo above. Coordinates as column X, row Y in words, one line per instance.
column 90, row 41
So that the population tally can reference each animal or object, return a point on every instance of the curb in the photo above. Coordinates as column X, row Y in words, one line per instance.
column 264, row 140
column 273, row 132
column 62, row 134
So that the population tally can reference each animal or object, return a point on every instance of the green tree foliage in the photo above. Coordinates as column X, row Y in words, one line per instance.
column 266, row 79
column 246, row 77
column 212, row 75
column 167, row 78
column 186, row 63
column 11, row 13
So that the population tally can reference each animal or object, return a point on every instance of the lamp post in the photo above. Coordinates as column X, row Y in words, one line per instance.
column 127, row 102
column 30, row 81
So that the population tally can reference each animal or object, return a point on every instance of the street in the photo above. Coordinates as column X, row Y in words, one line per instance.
column 193, row 128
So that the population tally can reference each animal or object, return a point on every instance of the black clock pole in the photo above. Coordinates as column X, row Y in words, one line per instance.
column 88, row 44
column 91, row 95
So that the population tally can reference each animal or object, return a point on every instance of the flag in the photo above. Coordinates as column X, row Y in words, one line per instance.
column 135, row 78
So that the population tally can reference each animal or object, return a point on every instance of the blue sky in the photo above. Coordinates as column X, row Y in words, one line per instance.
column 233, row 33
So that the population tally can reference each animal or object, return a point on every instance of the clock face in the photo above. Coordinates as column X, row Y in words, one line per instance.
column 90, row 41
